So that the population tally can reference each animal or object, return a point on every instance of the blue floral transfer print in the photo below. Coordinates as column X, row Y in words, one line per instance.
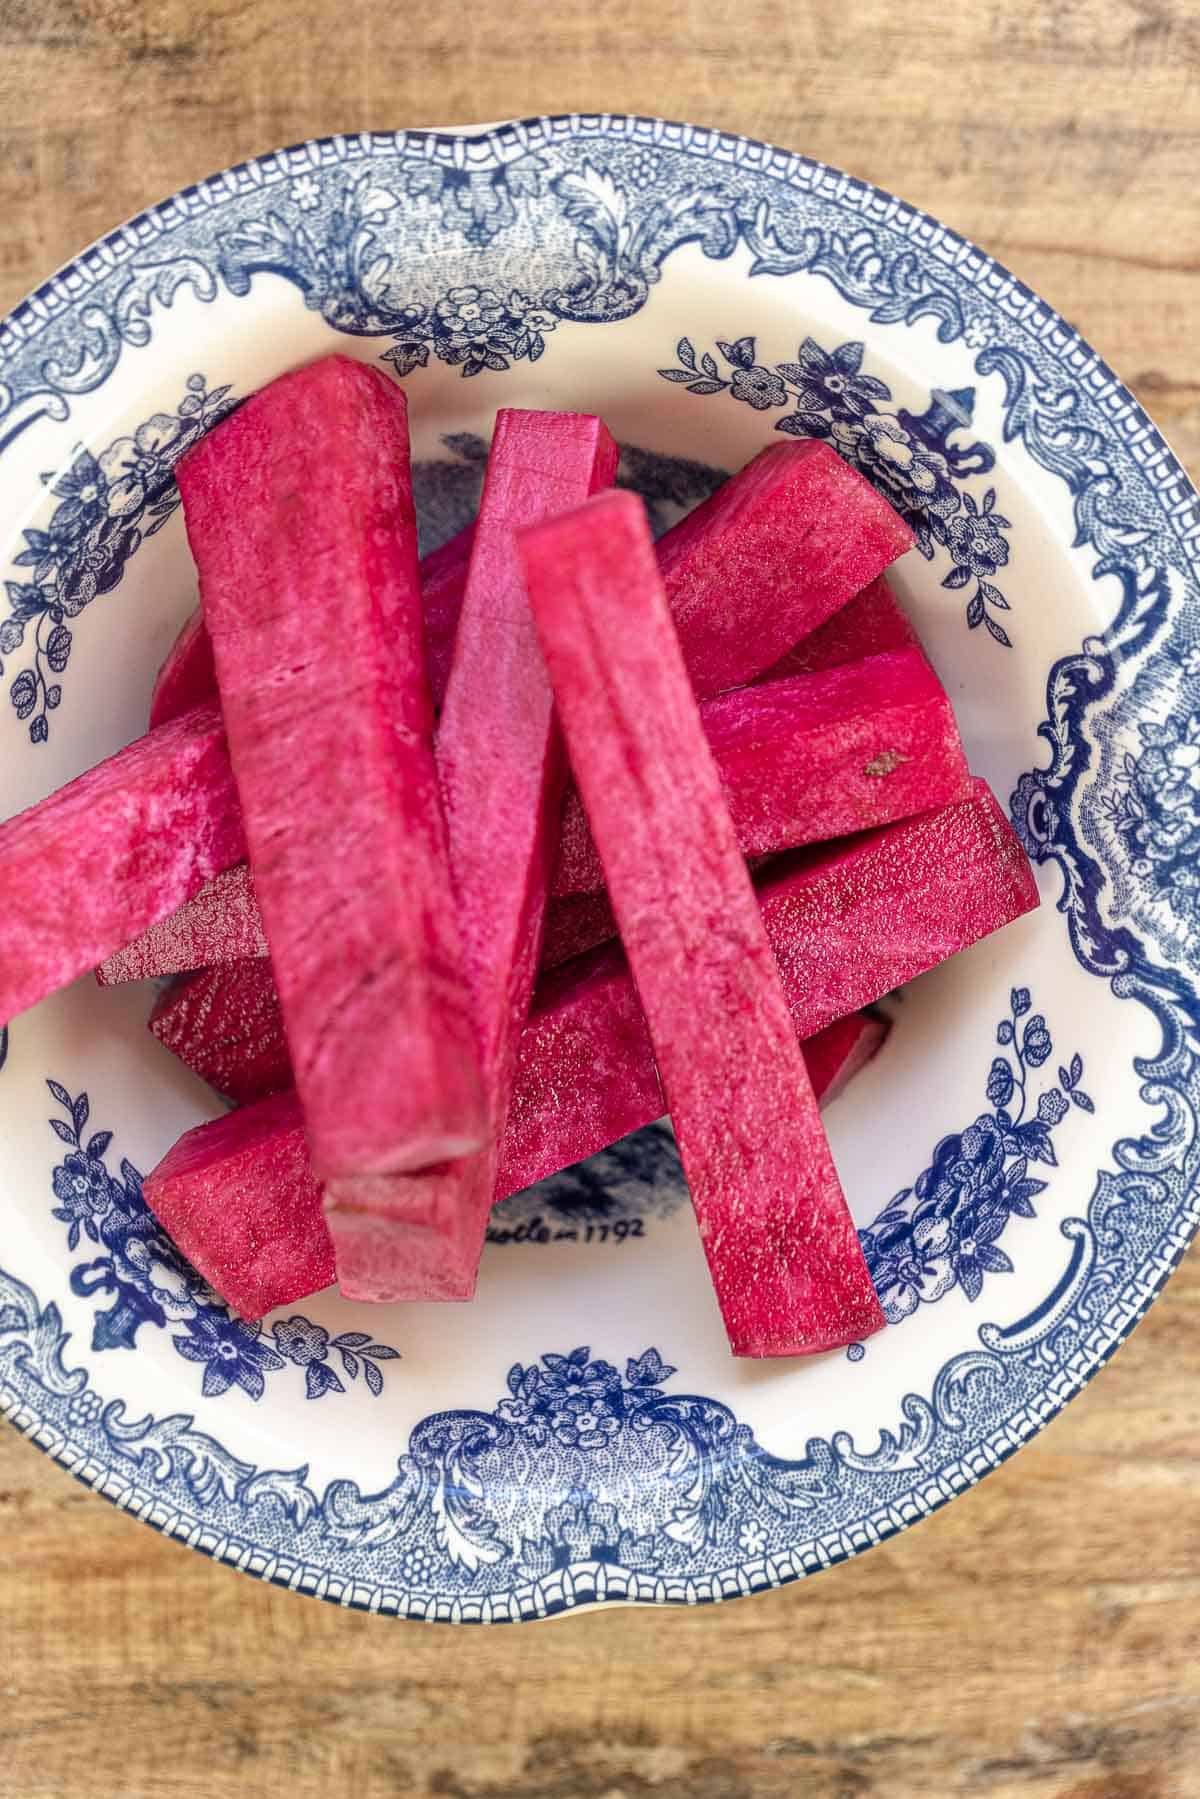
column 944, row 1231
column 825, row 394
column 107, row 506
column 472, row 329
column 580, row 1403
column 1156, row 813
column 152, row 1283
column 477, row 204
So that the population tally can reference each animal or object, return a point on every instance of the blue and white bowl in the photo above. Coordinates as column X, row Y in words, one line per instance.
column 1021, row 1156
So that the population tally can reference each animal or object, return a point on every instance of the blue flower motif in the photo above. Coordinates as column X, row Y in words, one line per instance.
column 752, row 1538
column 583, row 1421
column 1036, row 1045
column 137, row 469
column 524, row 307
column 307, row 1345
column 832, row 382
column 975, row 541
column 917, row 476
column 83, row 1409
column 916, row 1267
column 1052, row 1107
column 306, row 192
column 301, row 1341
column 966, row 1169
column 976, row 1253
column 83, row 491
column 582, row 1403
column 84, row 1194
column 232, row 1351
column 469, row 313
column 759, row 388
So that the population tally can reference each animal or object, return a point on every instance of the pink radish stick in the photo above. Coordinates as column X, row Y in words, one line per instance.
column 299, row 513
column 188, row 676
column 502, row 772
column 783, row 1253
column 815, row 757
column 785, row 543
column 873, row 623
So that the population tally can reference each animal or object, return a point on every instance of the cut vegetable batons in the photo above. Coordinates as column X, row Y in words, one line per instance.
column 239, row 1196
column 775, row 553
column 502, row 773
column 299, row 512
column 787, row 1267
column 847, row 924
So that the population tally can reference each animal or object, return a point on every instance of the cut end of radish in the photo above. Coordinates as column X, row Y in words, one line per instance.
column 382, row 1260
column 239, row 1199
column 188, row 677
column 225, row 1025
column 219, row 924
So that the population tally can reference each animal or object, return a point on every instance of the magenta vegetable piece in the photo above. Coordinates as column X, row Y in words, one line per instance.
column 299, row 513
column 801, row 759
column 769, row 556
column 121, row 846
column 575, row 924
column 502, row 773
column 239, row 1199
column 188, row 677
column 842, row 1050
column 873, row 623
column 786, row 1263
column 221, row 923
column 847, row 923
column 443, row 583
column 815, row 757
column 225, row 1024
column 253, row 1166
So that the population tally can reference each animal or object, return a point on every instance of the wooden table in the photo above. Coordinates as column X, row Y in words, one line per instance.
column 1043, row 1635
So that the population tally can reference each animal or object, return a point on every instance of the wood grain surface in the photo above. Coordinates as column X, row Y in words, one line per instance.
column 1042, row 1635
